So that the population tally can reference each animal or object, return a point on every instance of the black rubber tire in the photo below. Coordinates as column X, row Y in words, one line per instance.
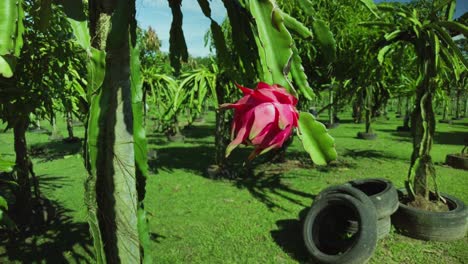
column 381, row 192
column 403, row 129
column 349, row 190
column 437, row 226
column 366, row 136
column 176, row 138
column 383, row 227
column 458, row 161
column 445, row 121
column 325, row 225
column 332, row 126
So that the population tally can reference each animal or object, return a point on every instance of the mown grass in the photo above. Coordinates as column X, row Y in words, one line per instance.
column 254, row 219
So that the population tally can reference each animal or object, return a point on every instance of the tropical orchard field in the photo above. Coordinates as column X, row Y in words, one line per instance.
column 253, row 218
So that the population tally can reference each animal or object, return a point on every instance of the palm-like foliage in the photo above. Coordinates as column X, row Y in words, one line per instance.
column 436, row 53
column 169, row 97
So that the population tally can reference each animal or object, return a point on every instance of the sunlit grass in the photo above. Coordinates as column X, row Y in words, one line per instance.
column 195, row 219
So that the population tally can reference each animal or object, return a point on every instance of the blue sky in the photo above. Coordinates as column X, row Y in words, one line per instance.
column 157, row 14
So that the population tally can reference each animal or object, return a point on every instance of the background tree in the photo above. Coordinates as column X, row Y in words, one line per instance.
column 434, row 47
column 47, row 54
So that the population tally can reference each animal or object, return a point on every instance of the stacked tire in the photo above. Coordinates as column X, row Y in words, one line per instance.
column 345, row 221
column 384, row 196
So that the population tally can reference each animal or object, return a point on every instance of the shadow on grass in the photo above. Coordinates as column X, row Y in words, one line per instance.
column 267, row 188
column 192, row 158
column 446, row 138
column 60, row 241
column 54, row 150
column 367, row 153
column 289, row 237
column 452, row 138
column 156, row 237
column 199, row 131
column 48, row 182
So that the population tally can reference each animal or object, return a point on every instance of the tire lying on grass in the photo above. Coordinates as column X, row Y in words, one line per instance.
column 459, row 161
column 349, row 190
column 384, row 196
column 427, row 225
column 383, row 227
column 403, row 129
column 325, row 230
column 381, row 192
column 366, row 136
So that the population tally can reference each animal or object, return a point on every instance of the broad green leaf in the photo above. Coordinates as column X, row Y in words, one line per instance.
column 273, row 42
column 316, row 140
column 446, row 7
column 325, row 39
column 144, row 234
column 95, row 77
column 75, row 12
column 390, row 36
column 7, row 65
column 307, row 7
column 299, row 76
column 444, row 36
column 4, row 218
column 296, row 26
column 450, row 11
column 455, row 26
column 11, row 34
column 96, row 67
column 371, row 6
column 3, row 204
column 435, row 43
column 382, row 52
column 141, row 150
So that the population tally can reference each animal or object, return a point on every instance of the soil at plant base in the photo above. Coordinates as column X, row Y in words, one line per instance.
column 283, row 167
column 428, row 205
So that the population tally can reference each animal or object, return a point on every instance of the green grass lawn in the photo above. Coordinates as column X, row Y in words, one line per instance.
column 195, row 219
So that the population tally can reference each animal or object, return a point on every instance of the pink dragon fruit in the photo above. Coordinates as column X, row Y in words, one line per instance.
column 264, row 117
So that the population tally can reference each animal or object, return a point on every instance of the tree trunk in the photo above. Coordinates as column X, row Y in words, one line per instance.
column 23, row 191
column 444, row 113
column 368, row 102
column 398, row 110
column 221, row 128
column 330, row 110
column 53, row 123
column 368, row 121
column 423, row 128
column 465, row 110
column 407, row 117
column 457, row 104
column 385, row 112
column 111, row 141
column 70, row 125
